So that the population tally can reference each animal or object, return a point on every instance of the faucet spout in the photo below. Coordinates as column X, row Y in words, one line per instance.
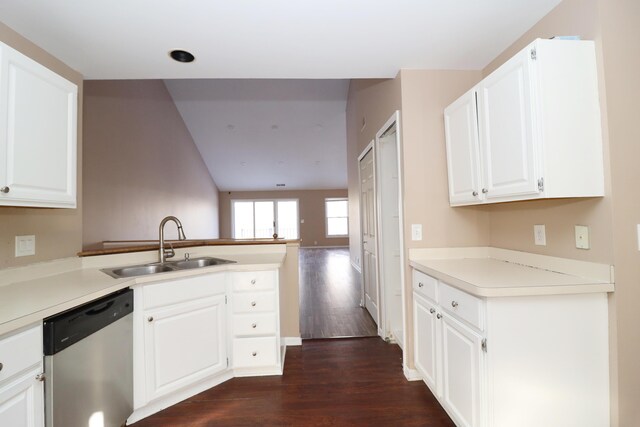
column 168, row 253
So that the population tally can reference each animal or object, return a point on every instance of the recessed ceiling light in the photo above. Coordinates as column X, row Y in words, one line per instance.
column 274, row 127
column 281, row 162
column 182, row 55
column 231, row 127
column 317, row 162
column 243, row 164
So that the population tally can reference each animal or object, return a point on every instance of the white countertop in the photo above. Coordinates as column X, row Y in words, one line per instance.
column 28, row 295
column 500, row 273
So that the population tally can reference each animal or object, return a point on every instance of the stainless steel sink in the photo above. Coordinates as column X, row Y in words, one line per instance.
column 155, row 268
column 199, row 262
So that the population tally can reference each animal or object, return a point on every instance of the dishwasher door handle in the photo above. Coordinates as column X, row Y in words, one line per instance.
column 95, row 311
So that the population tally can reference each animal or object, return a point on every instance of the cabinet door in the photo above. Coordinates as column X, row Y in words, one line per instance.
column 22, row 401
column 463, row 157
column 507, row 139
column 38, row 115
column 462, row 371
column 183, row 344
column 425, row 339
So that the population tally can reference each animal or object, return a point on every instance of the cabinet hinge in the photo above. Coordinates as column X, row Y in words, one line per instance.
column 225, row 299
column 534, row 54
column 227, row 362
column 541, row 184
column 484, row 345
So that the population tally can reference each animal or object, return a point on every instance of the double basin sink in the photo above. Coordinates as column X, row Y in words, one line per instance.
column 154, row 268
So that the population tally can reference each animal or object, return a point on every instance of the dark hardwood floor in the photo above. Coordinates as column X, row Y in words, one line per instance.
column 330, row 296
column 346, row 382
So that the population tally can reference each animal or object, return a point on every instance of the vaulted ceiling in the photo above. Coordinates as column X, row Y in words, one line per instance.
column 257, row 132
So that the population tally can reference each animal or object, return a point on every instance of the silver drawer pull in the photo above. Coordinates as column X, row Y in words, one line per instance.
column 254, row 325
column 40, row 377
column 454, row 304
column 1, row 366
column 150, row 319
column 420, row 284
column 253, row 303
column 254, row 354
column 253, row 281
column 5, row 190
column 432, row 310
column 439, row 316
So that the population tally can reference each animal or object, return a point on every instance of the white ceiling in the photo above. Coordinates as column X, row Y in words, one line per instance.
column 231, row 120
column 311, row 39
column 254, row 134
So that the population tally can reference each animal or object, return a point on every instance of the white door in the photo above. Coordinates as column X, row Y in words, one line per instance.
column 506, row 130
column 426, row 340
column 184, row 343
column 22, row 401
column 463, row 157
column 368, row 218
column 38, row 114
column 461, row 372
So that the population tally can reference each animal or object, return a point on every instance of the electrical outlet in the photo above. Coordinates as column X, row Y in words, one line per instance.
column 25, row 245
column 582, row 237
column 540, row 235
column 416, row 231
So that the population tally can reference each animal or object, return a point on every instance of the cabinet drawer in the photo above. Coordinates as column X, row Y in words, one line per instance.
column 20, row 351
column 255, row 302
column 253, row 352
column 253, row 280
column 254, row 324
column 424, row 285
column 180, row 290
column 463, row 305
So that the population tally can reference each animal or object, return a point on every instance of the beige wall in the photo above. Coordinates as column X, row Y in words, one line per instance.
column 372, row 103
column 58, row 231
column 141, row 165
column 311, row 209
column 621, row 52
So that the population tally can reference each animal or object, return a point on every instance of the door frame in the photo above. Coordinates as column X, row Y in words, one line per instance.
column 370, row 147
column 394, row 120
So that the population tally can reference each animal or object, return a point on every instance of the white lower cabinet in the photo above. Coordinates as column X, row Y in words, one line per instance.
column 21, row 386
column 525, row 361
column 194, row 333
column 462, row 360
column 184, row 343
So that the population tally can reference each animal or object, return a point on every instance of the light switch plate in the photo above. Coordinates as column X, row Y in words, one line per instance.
column 540, row 235
column 25, row 245
column 416, row 231
column 582, row 237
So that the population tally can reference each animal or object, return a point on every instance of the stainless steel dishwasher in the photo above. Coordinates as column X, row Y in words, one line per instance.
column 88, row 364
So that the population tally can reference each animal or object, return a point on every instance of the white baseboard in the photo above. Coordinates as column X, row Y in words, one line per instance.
column 411, row 374
column 323, row 247
column 292, row 341
column 356, row 266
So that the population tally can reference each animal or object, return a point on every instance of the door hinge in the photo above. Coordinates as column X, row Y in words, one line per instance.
column 484, row 345
column 227, row 362
column 534, row 54
column 541, row 184
column 225, row 299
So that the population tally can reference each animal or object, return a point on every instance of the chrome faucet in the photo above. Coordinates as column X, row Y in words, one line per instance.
column 168, row 253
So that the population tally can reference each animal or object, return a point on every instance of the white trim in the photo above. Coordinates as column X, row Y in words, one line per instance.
column 292, row 341
column 356, row 266
column 411, row 374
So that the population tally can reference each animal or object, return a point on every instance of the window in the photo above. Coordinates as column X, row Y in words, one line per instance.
column 256, row 219
column 337, row 213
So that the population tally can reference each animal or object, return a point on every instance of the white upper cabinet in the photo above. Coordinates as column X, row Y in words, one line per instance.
column 463, row 160
column 537, row 130
column 38, row 126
